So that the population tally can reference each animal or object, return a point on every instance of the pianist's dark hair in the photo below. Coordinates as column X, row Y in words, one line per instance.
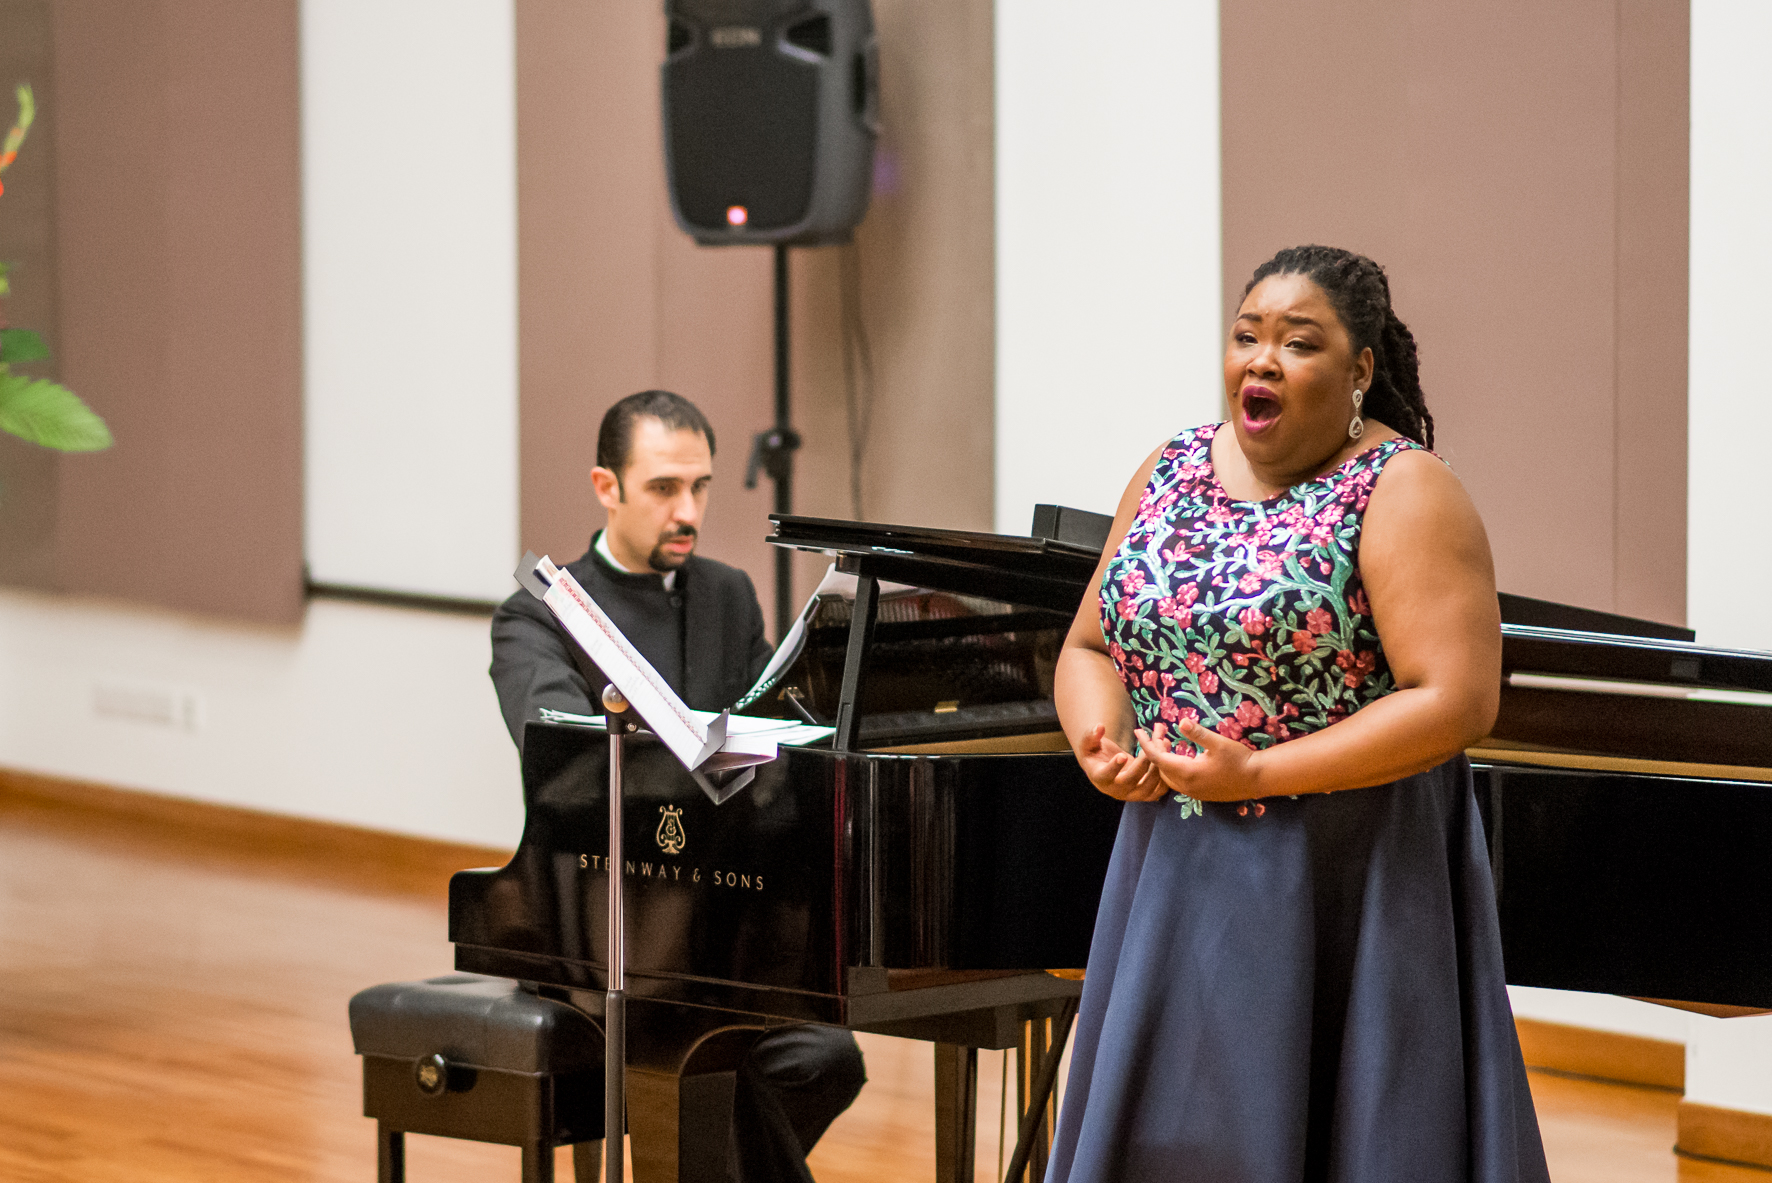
column 1361, row 294
column 615, row 439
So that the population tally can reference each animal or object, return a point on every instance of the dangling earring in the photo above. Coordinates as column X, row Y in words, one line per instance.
column 1357, row 428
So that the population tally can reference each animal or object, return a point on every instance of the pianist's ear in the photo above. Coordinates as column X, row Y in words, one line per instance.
column 608, row 487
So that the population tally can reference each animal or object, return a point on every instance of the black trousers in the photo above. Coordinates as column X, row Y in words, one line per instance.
column 790, row 1089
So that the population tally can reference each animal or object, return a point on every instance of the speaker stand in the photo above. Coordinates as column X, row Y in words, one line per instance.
column 772, row 451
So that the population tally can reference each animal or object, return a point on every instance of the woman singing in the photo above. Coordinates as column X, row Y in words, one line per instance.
column 1296, row 972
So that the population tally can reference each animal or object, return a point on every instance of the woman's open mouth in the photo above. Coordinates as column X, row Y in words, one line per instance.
column 1260, row 409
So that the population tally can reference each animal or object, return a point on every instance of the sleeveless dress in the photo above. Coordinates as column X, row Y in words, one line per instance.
column 1292, row 989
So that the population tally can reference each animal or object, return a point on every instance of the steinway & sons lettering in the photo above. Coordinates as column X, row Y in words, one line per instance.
column 676, row 873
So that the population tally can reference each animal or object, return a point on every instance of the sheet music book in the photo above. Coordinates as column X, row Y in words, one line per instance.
column 721, row 763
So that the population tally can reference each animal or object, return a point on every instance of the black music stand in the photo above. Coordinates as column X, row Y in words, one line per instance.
column 615, row 1017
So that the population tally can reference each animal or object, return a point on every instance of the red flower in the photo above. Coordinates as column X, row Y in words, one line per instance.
column 1319, row 621
column 1250, row 581
column 1229, row 728
column 1344, row 658
column 1269, row 563
column 1187, row 595
column 1168, row 682
column 1353, row 680
column 1150, row 679
column 1250, row 714
column 1169, row 710
column 1132, row 581
column 1195, row 662
column 1254, row 621
column 1126, row 608
column 1357, row 603
column 1303, row 642
column 1209, row 682
column 1117, row 653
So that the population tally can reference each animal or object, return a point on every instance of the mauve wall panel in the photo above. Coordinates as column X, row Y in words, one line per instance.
column 180, row 282
column 1491, row 157
column 28, row 474
column 1654, row 133
column 614, row 298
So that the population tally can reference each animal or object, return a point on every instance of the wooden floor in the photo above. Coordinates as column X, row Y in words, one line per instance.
column 173, row 1010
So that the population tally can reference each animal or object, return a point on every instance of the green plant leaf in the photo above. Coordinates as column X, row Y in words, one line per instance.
column 21, row 345
column 50, row 414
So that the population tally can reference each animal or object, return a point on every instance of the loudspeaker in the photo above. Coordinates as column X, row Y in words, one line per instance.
column 770, row 116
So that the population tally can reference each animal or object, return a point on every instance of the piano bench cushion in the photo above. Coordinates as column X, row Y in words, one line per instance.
column 477, row 1022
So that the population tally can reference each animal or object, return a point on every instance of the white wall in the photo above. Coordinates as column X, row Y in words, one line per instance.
column 378, row 717
column 1108, row 318
column 1729, row 531
column 409, row 231
column 1602, row 1012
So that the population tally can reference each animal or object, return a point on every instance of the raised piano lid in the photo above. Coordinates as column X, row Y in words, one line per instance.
column 1651, row 701
column 1036, row 572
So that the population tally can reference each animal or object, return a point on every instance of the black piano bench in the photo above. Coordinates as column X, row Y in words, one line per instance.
column 484, row 1059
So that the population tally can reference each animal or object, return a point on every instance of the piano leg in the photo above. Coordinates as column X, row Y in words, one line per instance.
column 587, row 1161
column 538, row 1162
column 956, row 1112
column 1036, row 1041
column 682, row 1075
column 390, row 1154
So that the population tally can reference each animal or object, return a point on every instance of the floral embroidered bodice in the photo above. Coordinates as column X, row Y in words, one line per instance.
column 1248, row 617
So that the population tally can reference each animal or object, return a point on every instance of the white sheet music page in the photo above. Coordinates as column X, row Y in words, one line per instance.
column 699, row 741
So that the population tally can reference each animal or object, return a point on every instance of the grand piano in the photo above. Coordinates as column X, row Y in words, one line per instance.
column 933, row 871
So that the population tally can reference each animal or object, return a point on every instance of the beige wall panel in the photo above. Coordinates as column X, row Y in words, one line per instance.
column 1654, row 126
column 587, row 197
column 924, row 257
column 717, row 348
column 28, row 479
column 614, row 298
column 180, row 270
column 1473, row 150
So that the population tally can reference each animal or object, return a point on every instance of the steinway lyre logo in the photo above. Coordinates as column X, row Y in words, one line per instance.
column 671, row 838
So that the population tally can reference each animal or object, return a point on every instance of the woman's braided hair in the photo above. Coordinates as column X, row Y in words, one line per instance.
column 1361, row 295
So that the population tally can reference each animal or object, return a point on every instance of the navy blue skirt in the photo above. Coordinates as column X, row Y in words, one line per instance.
column 1307, row 991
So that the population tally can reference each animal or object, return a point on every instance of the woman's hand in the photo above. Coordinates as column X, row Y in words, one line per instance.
column 1117, row 772
column 1221, row 770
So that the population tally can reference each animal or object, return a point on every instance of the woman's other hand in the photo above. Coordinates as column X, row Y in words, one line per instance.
column 1219, row 769
column 1120, row 774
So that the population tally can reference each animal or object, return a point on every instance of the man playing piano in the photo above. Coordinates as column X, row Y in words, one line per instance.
column 698, row 622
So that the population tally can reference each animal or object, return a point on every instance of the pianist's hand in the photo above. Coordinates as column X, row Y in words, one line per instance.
column 1218, row 769
column 1117, row 772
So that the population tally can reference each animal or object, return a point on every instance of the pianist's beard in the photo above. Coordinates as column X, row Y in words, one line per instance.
column 663, row 559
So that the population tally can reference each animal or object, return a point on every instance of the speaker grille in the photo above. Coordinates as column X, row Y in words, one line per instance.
column 743, row 132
